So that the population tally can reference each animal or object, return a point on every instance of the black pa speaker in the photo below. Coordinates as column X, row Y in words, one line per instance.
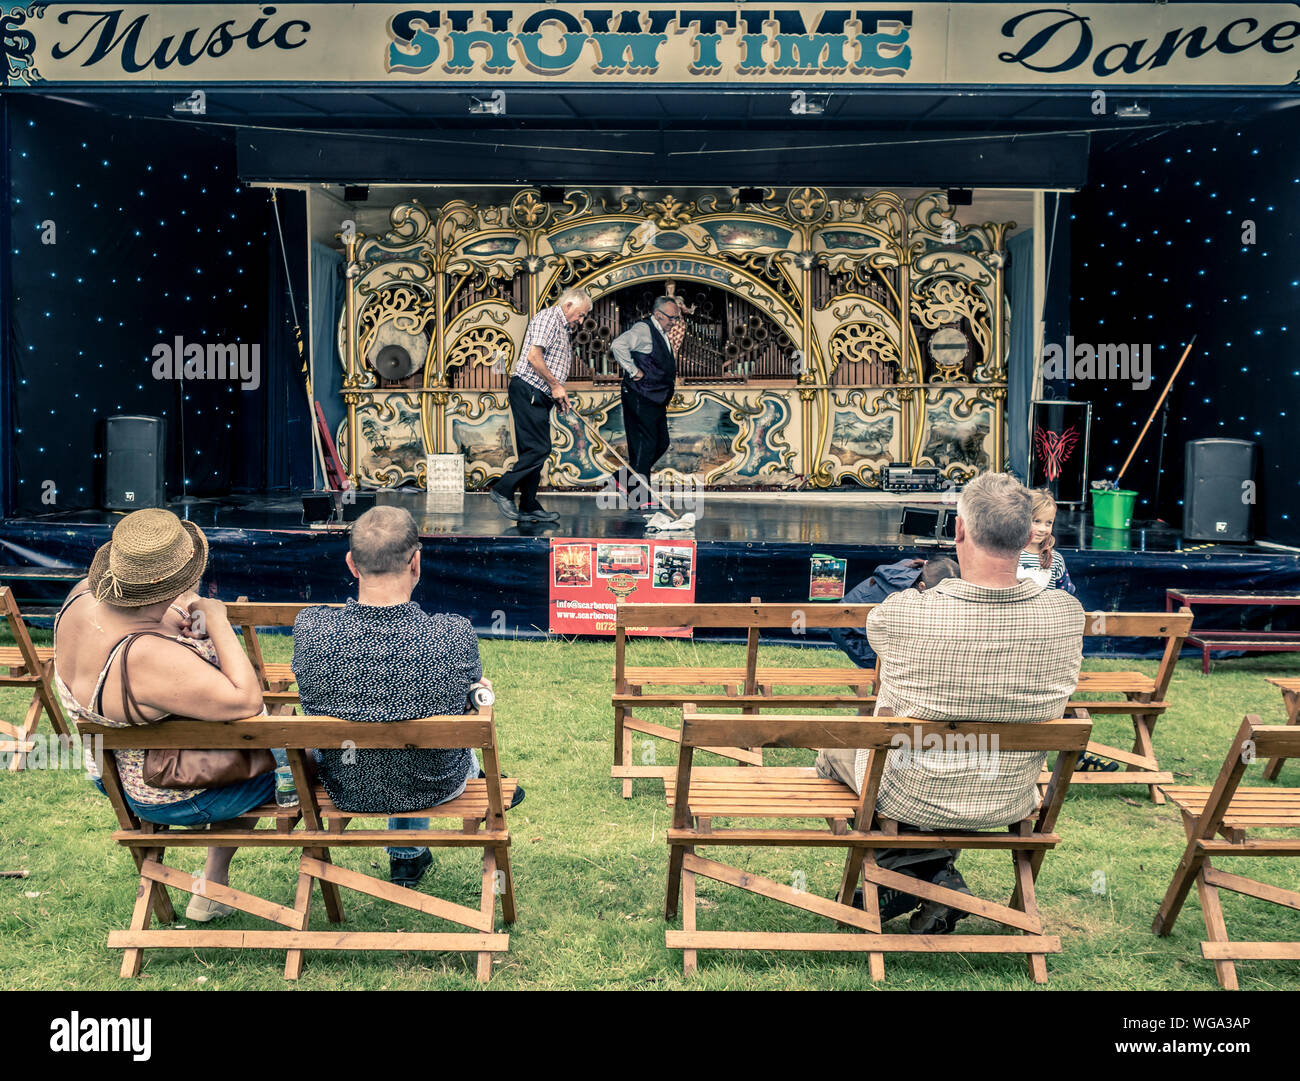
column 133, row 463
column 1219, row 491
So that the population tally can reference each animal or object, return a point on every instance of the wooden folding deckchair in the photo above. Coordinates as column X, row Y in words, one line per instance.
column 314, row 828
column 28, row 666
column 1216, row 821
column 1143, row 698
column 762, row 793
column 750, row 688
column 1290, row 689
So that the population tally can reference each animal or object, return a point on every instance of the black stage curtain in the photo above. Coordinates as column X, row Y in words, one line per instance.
column 1194, row 231
column 153, row 238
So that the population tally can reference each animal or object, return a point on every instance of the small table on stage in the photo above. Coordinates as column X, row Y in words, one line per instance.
column 1241, row 641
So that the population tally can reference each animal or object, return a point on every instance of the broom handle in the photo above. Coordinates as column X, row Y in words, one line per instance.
column 1156, row 409
column 595, row 437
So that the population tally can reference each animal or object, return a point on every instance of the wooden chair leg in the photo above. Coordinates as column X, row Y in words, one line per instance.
column 622, row 747
column 1189, row 867
column 688, row 917
column 1143, row 744
column 24, row 733
column 51, row 701
column 507, row 886
column 1292, row 701
column 329, row 891
column 849, row 880
column 627, row 761
column 675, row 856
column 1029, row 906
column 871, row 905
column 302, row 903
column 1215, row 927
column 487, row 905
column 141, row 916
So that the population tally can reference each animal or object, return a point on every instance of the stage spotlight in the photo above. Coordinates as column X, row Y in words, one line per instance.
column 551, row 193
column 1133, row 112
column 356, row 193
column 960, row 196
column 750, row 195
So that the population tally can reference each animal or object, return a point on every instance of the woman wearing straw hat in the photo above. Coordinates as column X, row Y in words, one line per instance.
column 184, row 659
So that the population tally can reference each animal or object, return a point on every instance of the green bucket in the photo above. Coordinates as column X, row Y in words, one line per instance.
column 1113, row 509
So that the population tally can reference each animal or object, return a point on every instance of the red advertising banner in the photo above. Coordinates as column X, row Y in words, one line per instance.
column 590, row 577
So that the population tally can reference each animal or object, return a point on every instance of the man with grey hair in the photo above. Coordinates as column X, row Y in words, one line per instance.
column 537, row 385
column 987, row 646
column 647, row 353
column 382, row 658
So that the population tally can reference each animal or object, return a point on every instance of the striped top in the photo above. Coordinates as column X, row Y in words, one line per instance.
column 1055, row 576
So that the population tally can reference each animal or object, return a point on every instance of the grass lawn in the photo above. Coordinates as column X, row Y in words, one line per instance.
column 590, row 867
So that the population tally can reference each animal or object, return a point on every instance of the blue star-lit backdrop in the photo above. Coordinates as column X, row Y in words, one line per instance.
column 1161, row 251
column 153, row 238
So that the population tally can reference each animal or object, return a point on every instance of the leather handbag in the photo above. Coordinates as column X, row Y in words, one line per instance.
column 173, row 767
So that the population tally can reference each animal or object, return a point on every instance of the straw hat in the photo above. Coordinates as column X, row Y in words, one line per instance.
column 153, row 556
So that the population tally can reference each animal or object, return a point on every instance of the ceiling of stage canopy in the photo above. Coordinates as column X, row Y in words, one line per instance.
column 882, row 109
column 973, row 138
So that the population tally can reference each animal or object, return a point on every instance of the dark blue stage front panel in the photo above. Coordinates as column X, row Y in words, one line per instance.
column 500, row 583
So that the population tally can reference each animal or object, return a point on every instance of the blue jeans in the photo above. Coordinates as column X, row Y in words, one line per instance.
column 211, row 805
column 423, row 823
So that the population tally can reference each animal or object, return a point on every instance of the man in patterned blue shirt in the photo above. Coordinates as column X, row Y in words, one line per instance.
column 537, row 385
column 382, row 658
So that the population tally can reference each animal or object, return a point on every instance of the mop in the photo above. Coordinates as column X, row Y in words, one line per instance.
column 663, row 520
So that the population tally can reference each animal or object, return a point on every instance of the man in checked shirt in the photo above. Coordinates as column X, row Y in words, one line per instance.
column 537, row 384
column 983, row 647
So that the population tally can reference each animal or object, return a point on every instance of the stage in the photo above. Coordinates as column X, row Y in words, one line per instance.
column 496, row 572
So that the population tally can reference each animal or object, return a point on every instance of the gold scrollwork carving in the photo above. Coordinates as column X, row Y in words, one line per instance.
column 528, row 210
column 482, row 345
column 858, row 341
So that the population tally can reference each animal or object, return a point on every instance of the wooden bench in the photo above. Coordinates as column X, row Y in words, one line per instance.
column 314, row 828
column 1290, row 689
column 635, row 688
column 1208, row 641
column 277, row 677
column 750, row 688
column 1217, row 821
column 28, row 666
column 1142, row 697
column 698, row 801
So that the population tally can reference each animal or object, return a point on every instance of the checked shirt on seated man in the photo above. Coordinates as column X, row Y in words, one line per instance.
column 992, row 649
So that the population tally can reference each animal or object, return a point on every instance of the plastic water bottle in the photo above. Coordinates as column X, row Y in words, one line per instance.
column 286, row 792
